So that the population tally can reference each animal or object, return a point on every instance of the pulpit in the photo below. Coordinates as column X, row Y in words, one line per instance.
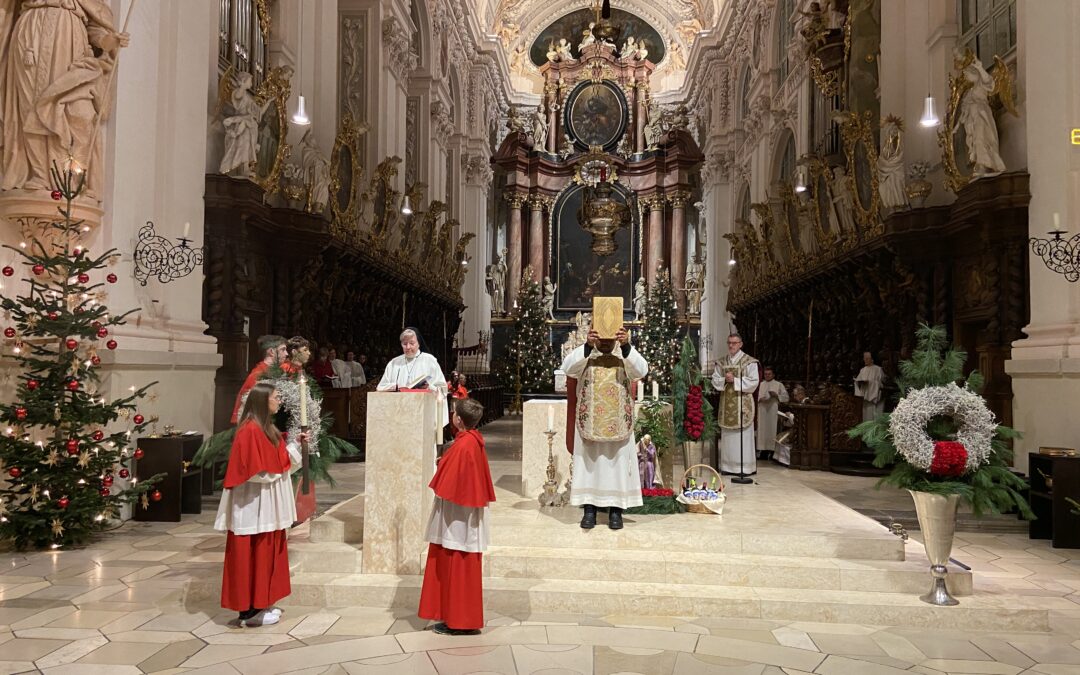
column 810, row 448
column 402, row 429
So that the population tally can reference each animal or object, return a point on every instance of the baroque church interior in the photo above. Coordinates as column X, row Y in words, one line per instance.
column 841, row 234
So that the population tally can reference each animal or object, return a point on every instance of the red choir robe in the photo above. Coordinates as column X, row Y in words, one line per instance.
column 256, row 510
column 251, row 381
column 457, row 532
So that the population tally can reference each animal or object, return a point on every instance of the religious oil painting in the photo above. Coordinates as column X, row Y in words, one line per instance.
column 596, row 114
column 582, row 275
column 571, row 27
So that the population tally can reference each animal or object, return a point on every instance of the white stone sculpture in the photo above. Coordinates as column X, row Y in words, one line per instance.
column 316, row 173
column 677, row 56
column 653, row 127
column 629, row 48
column 549, row 298
column 539, row 128
column 517, row 60
column 559, row 51
column 695, row 287
column 587, row 37
column 52, row 89
column 980, row 129
column 242, row 127
column 891, row 165
column 843, row 200
column 496, row 283
column 641, row 294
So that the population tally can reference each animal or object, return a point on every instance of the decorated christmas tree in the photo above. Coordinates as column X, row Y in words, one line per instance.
column 941, row 438
column 529, row 359
column 659, row 338
column 65, row 450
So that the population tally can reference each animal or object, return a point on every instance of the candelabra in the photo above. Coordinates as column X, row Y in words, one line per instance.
column 550, row 496
column 1058, row 254
column 157, row 256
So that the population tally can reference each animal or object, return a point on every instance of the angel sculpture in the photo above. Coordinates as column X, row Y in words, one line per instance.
column 316, row 173
column 587, row 37
column 552, row 52
column 976, row 117
column 539, row 128
column 242, row 127
column 57, row 58
column 549, row 298
column 563, row 49
column 629, row 48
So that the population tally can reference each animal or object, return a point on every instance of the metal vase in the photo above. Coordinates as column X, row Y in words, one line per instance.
column 937, row 520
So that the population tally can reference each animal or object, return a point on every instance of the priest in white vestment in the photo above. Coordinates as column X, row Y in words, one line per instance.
column 736, row 378
column 356, row 369
column 605, row 472
column 404, row 371
column 868, row 385
column 342, row 371
column 771, row 394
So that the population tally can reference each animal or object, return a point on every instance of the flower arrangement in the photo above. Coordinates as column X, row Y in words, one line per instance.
column 694, row 417
column 656, row 502
column 657, row 492
column 941, row 438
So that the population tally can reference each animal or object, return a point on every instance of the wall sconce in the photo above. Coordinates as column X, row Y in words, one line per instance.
column 1058, row 254
column 157, row 256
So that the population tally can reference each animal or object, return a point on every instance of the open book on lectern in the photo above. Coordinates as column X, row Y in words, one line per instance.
column 422, row 382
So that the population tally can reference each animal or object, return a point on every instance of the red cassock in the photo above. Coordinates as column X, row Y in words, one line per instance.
column 453, row 579
column 251, row 381
column 256, row 573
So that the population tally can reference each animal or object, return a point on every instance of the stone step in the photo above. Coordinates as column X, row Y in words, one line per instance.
column 344, row 523
column 721, row 569
column 991, row 612
column 331, row 557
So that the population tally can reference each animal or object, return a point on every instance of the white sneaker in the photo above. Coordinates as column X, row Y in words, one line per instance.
column 276, row 610
column 263, row 618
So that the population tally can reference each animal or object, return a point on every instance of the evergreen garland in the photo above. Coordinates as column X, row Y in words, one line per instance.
column 530, row 343
column 687, row 376
column 659, row 339
column 993, row 487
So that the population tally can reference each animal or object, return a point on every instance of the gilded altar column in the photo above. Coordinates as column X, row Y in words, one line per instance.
column 537, row 242
column 655, row 243
column 678, row 201
column 513, row 243
column 641, row 98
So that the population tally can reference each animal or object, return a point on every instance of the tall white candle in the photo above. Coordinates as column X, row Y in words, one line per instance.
column 303, row 400
column 551, row 417
column 655, row 389
column 640, row 391
column 187, row 228
column 1057, row 221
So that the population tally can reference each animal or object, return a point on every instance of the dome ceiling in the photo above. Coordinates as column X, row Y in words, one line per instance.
column 572, row 26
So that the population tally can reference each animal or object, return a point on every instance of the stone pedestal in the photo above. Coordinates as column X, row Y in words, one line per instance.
column 534, row 449
column 401, row 433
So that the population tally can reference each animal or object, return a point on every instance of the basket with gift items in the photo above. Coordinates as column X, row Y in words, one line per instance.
column 702, row 490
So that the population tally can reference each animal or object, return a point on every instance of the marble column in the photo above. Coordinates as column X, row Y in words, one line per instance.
column 516, row 200
column 553, row 138
column 536, row 236
column 655, row 242
column 678, row 247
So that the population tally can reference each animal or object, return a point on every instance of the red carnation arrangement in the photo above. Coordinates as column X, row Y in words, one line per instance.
column 694, row 422
column 950, row 459
column 657, row 492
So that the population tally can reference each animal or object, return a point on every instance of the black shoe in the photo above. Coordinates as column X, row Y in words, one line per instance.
column 443, row 629
column 588, row 520
column 614, row 519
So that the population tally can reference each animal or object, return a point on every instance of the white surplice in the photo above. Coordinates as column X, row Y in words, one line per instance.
column 403, row 371
column 868, row 387
column 768, row 407
column 457, row 527
column 343, row 373
column 735, row 444
column 605, row 473
column 263, row 503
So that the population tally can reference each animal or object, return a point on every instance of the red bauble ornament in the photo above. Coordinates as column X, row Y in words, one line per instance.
column 8, row 270
column 72, row 446
column 138, row 419
column 20, row 413
column 9, row 332
column 56, row 195
column 63, row 502
column 155, row 496
column 14, row 472
column 38, row 269
column 102, row 332
column 72, row 344
column 53, row 316
column 111, row 344
column 124, row 473
column 950, row 459
column 98, row 435
column 32, row 384
column 139, row 453
column 84, row 278
column 95, row 360
column 106, row 492
column 73, row 385
column 107, row 481
column 111, row 278
column 96, row 325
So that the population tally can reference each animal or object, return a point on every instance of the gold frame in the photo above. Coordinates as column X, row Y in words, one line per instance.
column 958, row 88
column 818, row 170
column 344, row 220
column 381, row 221
column 857, row 129
column 275, row 89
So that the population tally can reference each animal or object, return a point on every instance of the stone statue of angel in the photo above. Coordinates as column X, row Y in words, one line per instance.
column 549, row 298
column 641, row 294
column 976, row 116
column 891, row 164
column 563, row 50
column 539, row 128
column 587, row 37
column 629, row 48
column 316, row 169
column 242, row 127
column 843, row 200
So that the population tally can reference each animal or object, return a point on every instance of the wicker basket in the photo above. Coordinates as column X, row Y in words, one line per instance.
column 701, row 508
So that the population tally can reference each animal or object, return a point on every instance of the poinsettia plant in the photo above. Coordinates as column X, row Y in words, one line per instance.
column 694, row 417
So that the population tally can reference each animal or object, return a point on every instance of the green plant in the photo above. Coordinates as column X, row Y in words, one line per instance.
column 653, row 420
column 992, row 487
column 689, row 394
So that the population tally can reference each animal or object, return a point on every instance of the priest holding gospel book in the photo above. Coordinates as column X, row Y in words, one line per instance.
column 415, row 369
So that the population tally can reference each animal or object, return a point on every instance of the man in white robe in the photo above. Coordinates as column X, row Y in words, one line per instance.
column 356, row 369
column 342, row 371
column 605, row 473
column 403, row 372
column 736, row 378
column 868, row 385
column 770, row 395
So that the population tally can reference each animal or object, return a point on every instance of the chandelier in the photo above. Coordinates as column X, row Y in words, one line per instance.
column 603, row 214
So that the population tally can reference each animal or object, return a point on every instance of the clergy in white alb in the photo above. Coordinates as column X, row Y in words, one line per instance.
column 868, row 385
column 771, row 394
column 736, row 378
column 403, row 371
column 605, row 472
column 356, row 370
column 342, row 371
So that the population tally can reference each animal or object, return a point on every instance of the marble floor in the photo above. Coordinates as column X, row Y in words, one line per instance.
column 119, row 606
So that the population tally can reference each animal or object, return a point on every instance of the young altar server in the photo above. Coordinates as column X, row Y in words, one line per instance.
column 605, row 452
column 273, row 349
column 458, row 530
column 257, row 507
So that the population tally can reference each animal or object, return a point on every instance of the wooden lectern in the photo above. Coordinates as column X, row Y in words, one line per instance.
column 401, row 434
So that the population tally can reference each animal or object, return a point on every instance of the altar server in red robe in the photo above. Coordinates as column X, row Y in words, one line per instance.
column 458, row 529
column 257, row 508
column 273, row 349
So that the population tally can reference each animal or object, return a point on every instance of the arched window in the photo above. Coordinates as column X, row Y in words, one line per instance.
column 988, row 31
column 744, row 204
column 744, row 94
column 241, row 41
column 785, row 32
column 785, row 168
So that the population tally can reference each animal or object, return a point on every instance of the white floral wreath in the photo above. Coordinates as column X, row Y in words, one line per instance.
column 907, row 424
column 289, row 392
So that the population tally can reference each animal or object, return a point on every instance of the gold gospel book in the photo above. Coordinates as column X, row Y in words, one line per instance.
column 607, row 316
